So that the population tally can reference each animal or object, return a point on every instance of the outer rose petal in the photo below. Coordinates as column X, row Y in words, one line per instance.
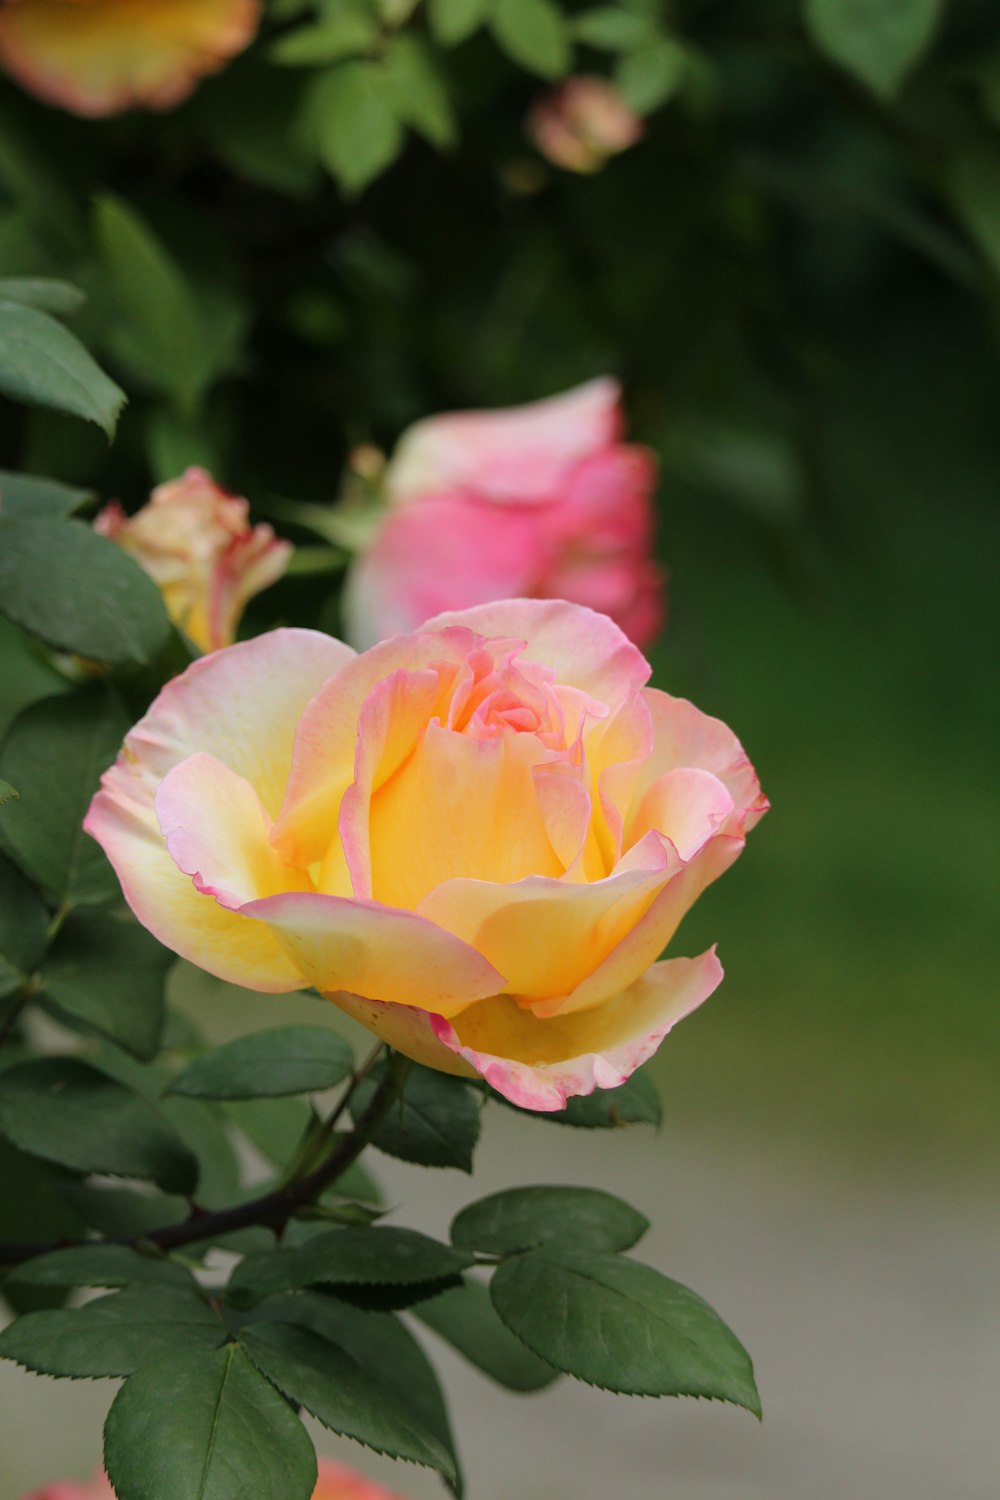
column 215, row 707
column 517, row 454
column 377, row 951
column 540, row 1065
column 586, row 650
column 100, row 57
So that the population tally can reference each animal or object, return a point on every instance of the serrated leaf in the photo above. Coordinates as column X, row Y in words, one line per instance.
column 521, row 1218
column 78, row 591
column 364, row 1257
column 113, row 1335
column 65, row 1111
column 43, row 364
column 23, row 927
column 622, row 1326
column 465, row 1318
column 534, row 33
column 417, row 93
column 30, row 497
column 111, row 975
column 161, row 311
column 453, row 20
column 54, row 754
column 384, row 1349
column 42, row 292
column 435, row 1122
column 651, row 75
column 222, row 1433
column 285, row 1060
column 100, row 1265
column 337, row 1392
column 879, row 41
column 350, row 34
column 356, row 129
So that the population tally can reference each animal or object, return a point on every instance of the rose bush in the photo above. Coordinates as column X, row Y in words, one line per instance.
column 100, row 57
column 196, row 543
column 542, row 500
column 476, row 840
column 335, row 1482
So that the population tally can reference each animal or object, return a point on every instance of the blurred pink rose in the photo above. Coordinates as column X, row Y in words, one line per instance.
column 101, row 57
column 196, row 543
column 583, row 122
column 336, row 1482
column 541, row 500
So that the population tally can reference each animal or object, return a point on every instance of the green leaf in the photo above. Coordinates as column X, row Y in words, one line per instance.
column 974, row 181
column 28, row 497
column 27, row 675
column 159, row 307
column 121, row 1210
column 43, row 364
column 23, row 928
column 453, row 20
column 42, row 292
column 614, row 29
column 880, row 42
column 385, row 1350
column 111, row 975
column 100, row 1265
column 620, row 1325
column 67, row 1112
column 337, row 1392
column 113, row 1335
column 8, row 793
column 523, row 1218
column 365, row 1256
column 32, row 1204
column 435, row 1123
column 357, row 132
column 650, row 76
column 54, row 754
column 285, row 1060
column 206, row 1428
column 350, row 34
column 417, row 93
column 78, row 592
column 465, row 1318
column 275, row 1126
column 534, row 34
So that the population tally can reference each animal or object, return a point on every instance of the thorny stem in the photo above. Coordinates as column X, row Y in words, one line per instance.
column 273, row 1209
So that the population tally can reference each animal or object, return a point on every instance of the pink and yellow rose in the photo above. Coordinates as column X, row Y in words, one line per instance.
column 100, row 57
column 476, row 840
column 543, row 500
column 336, row 1482
column 196, row 543
column 583, row 122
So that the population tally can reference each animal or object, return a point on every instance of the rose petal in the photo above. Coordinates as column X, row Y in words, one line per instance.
column 684, row 736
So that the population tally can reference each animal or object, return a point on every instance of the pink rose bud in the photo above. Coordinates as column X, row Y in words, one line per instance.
column 583, row 122
column 196, row 543
column 542, row 500
column 101, row 57
column 336, row 1482
column 475, row 840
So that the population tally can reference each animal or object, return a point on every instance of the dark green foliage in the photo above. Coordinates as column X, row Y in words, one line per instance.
column 464, row 1316
column 108, row 974
column 522, row 1218
column 379, row 1256
column 435, row 1123
column 285, row 1060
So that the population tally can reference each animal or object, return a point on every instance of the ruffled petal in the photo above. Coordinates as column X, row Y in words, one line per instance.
column 684, row 736
column 541, row 1065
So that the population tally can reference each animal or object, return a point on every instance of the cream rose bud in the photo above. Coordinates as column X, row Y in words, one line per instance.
column 101, row 57
column 196, row 543
column 542, row 500
column 583, row 122
column 476, row 840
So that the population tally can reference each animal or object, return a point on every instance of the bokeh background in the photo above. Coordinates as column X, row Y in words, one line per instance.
column 805, row 321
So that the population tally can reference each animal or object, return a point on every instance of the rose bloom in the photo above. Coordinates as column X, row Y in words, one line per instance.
column 336, row 1482
column 475, row 840
column 100, row 57
column 196, row 543
column 543, row 500
column 583, row 122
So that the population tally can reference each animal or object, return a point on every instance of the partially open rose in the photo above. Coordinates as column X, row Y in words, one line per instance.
column 476, row 840
column 543, row 500
column 196, row 543
column 100, row 57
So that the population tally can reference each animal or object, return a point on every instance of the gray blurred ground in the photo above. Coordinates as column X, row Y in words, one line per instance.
column 869, row 1303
